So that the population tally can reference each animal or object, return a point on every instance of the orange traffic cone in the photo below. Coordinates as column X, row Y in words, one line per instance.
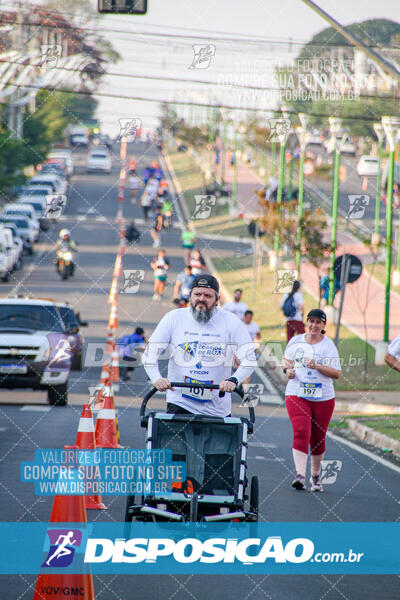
column 66, row 509
column 106, row 435
column 85, row 441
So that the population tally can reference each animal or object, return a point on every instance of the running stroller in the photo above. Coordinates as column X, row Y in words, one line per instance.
column 214, row 450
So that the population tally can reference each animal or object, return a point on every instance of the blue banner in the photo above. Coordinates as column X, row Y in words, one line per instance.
column 201, row 548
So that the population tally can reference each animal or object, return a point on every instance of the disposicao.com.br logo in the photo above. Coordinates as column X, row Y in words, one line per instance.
column 247, row 551
column 63, row 543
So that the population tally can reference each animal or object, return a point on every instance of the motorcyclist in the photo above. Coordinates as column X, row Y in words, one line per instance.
column 65, row 242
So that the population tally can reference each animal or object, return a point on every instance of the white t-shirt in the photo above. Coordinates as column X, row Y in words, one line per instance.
column 252, row 328
column 237, row 308
column 310, row 383
column 394, row 347
column 200, row 353
column 298, row 302
column 134, row 182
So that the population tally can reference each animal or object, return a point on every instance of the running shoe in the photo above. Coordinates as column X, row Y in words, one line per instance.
column 299, row 482
column 316, row 485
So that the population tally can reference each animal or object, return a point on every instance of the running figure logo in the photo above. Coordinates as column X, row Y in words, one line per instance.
column 132, row 281
column 330, row 470
column 129, row 128
column 357, row 206
column 203, row 53
column 284, row 279
column 50, row 55
column 204, row 204
column 278, row 130
column 63, row 543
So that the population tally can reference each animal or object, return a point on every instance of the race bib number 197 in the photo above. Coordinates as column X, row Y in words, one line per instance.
column 310, row 390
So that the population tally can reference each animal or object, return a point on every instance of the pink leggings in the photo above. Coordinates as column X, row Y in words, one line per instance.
column 310, row 422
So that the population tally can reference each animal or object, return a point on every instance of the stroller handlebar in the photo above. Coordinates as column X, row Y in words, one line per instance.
column 238, row 390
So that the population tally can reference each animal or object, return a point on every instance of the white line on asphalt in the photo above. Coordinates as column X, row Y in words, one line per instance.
column 262, row 445
column 34, row 408
column 362, row 450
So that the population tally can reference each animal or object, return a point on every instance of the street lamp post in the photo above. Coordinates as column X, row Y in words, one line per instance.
column 380, row 134
column 335, row 126
column 234, row 184
column 281, row 184
column 303, row 137
column 391, row 127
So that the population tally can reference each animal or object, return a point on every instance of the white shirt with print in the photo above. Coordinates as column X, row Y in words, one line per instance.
column 310, row 383
column 201, row 353
column 252, row 328
column 237, row 308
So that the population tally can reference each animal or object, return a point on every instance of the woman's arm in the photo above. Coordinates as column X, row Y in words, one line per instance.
column 323, row 369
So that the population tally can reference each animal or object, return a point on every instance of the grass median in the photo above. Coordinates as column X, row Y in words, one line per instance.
column 239, row 272
column 386, row 424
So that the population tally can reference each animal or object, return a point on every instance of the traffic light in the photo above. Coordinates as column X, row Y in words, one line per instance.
column 126, row 7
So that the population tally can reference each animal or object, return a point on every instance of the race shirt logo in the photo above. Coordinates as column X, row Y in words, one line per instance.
column 189, row 347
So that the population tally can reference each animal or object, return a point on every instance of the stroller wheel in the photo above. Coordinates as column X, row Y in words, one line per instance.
column 254, row 495
column 194, row 507
column 130, row 501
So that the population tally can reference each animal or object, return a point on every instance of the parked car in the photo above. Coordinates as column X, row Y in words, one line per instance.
column 24, row 229
column 58, row 184
column 34, row 351
column 316, row 138
column 39, row 204
column 36, row 191
column 76, row 340
column 26, row 210
column 79, row 139
column 7, row 254
column 367, row 166
column 66, row 154
column 17, row 241
column 99, row 160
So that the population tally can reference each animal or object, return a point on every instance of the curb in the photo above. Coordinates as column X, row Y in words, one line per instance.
column 370, row 436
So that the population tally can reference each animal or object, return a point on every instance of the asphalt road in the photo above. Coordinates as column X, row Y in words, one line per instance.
column 365, row 490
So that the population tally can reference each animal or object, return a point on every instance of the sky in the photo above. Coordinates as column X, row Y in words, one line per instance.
column 287, row 24
column 283, row 25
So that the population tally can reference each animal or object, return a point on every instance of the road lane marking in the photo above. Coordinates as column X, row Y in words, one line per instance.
column 34, row 408
column 362, row 450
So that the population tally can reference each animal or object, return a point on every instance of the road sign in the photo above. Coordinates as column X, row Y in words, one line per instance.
column 355, row 269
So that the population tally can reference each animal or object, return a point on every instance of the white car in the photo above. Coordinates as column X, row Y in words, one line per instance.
column 7, row 253
column 16, row 242
column 66, row 155
column 24, row 228
column 23, row 210
column 315, row 138
column 99, row 160
column 58, row 184
column 367, row 166
column 39, row 204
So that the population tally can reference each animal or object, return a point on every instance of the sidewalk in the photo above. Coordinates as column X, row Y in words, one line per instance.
column 366, row 293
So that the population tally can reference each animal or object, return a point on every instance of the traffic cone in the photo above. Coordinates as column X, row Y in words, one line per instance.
column 106, row 435
column 66, row 509
column 113, row 321
column 85, row 441
column 364, row 186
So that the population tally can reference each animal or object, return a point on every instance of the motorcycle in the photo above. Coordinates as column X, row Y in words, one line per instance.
column 65, row 263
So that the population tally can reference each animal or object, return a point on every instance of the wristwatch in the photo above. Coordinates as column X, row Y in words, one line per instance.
column 234, row 380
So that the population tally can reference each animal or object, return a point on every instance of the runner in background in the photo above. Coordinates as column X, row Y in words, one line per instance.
column 392, row 357
column 197, row 263
column 254, row 333
column 126, row 346
column 237, row 306
column 156, row 229
column 132, row 164
column 311, row 362
column 292, row 307
column 183, row 286
column 160, row 266
column 145, row 203
column 134, row 185
column 188, row 242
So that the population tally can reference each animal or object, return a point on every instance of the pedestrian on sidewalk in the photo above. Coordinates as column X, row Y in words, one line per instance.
column 237, row 306
column 325, row 287
column 392, row 356
column 311, row 363
column 160, row 265
column 126, row 345
column 188, row 241
column 292, row 307
column 156, row 229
